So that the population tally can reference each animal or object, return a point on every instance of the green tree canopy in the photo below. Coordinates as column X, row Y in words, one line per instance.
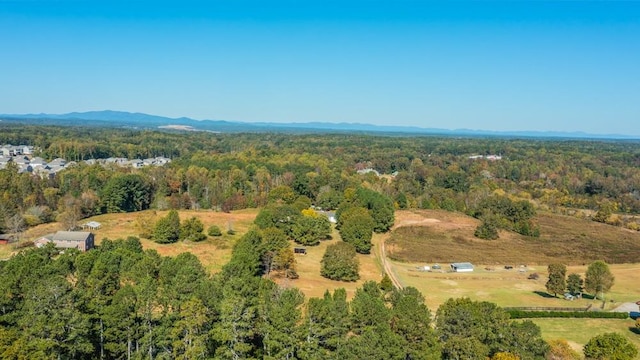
column 192, row 230
column 598, row 278
column 339, row 262
column 167, row 229
column 309, row 230
column 610, row 346
column 557, row 275
column 126, row 193
column 574, row 284
column 357, row 228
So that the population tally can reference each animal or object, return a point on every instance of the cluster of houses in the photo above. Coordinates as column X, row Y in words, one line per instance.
column 487, row 157
column 21, row 155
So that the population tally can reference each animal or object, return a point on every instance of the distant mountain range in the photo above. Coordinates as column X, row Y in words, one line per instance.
column 109, row 118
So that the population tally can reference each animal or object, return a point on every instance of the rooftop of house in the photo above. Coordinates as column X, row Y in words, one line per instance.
column 69, row 236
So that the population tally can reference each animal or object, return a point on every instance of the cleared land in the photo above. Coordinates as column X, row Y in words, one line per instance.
column 314, row 285
column 429, row 237
column 216, row 251
column 213, row 252
column 438, row 236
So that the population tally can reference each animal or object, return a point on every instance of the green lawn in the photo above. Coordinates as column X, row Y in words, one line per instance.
column 579, row 331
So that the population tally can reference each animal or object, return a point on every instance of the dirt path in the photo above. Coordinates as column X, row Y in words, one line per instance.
column 409, row 219
column 386, row 266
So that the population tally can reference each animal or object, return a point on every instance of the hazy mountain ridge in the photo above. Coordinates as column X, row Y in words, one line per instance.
column 142, row 120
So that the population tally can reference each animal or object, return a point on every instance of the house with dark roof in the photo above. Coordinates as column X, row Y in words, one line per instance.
column 80, row 240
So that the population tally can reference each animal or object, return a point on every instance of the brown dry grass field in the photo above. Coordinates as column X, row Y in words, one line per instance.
column 440, row 236
column 429, row 237
column 314, row 285
column 447, row 237
column 213, row 252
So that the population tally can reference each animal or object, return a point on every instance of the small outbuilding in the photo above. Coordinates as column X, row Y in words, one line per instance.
column 91, row 225
column 462, row 267
column 300, row 250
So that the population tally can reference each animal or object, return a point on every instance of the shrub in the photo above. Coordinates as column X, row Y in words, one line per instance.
column 192, row 230
column 487, row 230
column 214, row 230
column 561, row 350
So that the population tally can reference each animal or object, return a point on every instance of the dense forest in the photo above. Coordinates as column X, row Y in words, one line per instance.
column 120, row 302
column 587, row 178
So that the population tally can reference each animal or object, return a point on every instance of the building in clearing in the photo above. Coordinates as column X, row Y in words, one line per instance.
column 462, row 267
column 80, row 240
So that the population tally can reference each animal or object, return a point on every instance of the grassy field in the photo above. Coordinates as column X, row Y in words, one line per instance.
column 216, row 251
column 314, row 285
column 512, row 287
column 578, row 331
column 427, row 237
column 439, row 236
column 213, row 252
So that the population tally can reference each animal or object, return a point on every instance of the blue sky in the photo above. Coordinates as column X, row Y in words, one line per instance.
column 509, row 65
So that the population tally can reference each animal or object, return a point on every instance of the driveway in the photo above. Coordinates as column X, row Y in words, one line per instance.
column 626, row 307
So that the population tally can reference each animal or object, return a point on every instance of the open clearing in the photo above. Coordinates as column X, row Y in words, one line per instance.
column 216, row 251
column 440, row 236
column 448, row 237
column 213, row 252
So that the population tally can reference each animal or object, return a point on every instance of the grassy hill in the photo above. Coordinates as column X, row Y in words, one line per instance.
column 440, row 236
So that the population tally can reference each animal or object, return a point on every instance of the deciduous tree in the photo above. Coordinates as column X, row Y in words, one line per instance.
column 556, row 283
column 574, row 284
column 610, row 346
column 340, row 263
column 357, row 228
column 598, row 279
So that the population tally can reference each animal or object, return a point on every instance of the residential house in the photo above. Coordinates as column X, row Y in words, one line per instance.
column 136, row 163
column 80, row 240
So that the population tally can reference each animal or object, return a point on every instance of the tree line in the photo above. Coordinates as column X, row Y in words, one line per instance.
column 120, row 302
column 234, row 171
